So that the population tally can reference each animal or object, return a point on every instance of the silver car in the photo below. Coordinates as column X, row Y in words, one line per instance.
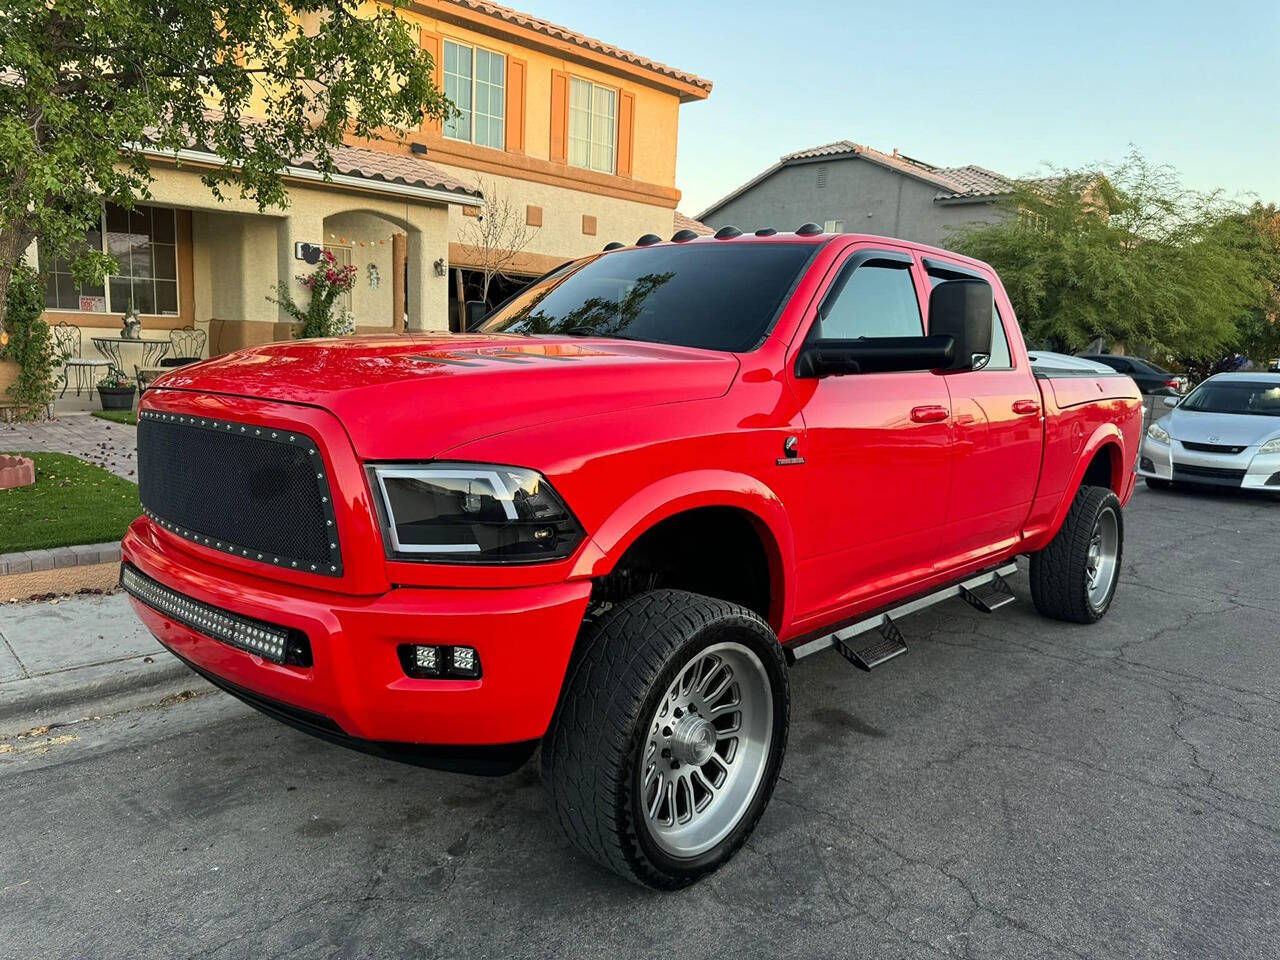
column 1226, row 432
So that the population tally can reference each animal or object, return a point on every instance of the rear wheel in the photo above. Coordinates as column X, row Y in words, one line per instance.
column 669, row 735
column 1074, row 578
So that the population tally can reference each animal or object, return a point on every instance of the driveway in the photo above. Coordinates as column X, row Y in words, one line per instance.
column 1014, row 787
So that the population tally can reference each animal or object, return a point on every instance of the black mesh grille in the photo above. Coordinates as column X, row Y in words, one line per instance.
column 253, row 491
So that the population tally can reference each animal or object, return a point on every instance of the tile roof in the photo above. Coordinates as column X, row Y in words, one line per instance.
column 688, row 223
column 952, row 182
column 558, row 32
column 399, row 168
column 978, row 181
column 376, row 166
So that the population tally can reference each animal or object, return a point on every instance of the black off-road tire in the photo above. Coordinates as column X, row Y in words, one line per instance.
column 1059, row 578
column 1156, row 483
column 619, row 673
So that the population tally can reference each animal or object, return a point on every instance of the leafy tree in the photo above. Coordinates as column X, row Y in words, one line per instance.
column 1129, row 255
column 88, row 86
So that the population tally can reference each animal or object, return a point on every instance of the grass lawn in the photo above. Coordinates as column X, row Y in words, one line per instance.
column 71, row 502
column 117, row 416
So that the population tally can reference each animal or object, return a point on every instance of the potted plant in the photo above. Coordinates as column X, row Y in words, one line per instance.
column 116, row 391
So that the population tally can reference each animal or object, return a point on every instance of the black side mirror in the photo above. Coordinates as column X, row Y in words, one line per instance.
column 476, row 310
column 962, row 310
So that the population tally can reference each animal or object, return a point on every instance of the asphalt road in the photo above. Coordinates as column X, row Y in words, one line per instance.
column 1013, row 788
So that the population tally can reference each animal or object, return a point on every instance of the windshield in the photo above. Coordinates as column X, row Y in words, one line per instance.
column 719, row 297
column 1235, row 396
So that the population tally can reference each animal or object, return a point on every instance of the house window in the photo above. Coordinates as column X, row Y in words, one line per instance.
column 833, row 226
column 475, row 81
column 593, row 125
column 143, row 243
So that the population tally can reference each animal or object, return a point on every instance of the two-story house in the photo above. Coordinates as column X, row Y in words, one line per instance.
column 576, row 134
column 850, row 188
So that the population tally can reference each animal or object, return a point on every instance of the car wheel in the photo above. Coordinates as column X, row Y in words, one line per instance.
column 1155, row 483
column 1074, row 578
column 668, row 737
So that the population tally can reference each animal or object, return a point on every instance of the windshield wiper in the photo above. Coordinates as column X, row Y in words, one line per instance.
column 583, row 331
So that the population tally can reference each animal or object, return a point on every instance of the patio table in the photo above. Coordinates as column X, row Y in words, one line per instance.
column 153, row 350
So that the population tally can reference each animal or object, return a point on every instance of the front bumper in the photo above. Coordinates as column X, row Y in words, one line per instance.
column 1172, row 461
column 355, row 691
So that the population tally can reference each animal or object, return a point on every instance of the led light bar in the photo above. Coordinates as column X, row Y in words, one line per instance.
column 253, row 636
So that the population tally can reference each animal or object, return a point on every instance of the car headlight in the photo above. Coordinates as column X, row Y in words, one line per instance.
column 1271, row 446
column 1158, row 433
column 472, row 513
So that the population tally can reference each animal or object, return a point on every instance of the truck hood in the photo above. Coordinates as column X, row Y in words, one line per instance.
column 418, row 395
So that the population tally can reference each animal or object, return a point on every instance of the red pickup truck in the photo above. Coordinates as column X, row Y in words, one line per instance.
column 608, row 520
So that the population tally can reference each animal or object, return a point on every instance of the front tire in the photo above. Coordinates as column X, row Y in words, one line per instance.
column 1155, row 483
column 669, row 736
column 1074, row 578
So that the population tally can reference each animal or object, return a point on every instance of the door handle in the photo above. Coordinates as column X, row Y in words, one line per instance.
column 1025, row 407
column 930, row 414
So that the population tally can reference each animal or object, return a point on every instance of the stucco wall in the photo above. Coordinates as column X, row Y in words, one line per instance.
column 561, row 237
column 869, row 198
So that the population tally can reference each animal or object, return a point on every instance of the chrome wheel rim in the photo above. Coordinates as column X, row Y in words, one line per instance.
column 706, row 750
column 1101, row 566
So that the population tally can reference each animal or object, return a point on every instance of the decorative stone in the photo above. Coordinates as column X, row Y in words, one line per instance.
column 16, row 472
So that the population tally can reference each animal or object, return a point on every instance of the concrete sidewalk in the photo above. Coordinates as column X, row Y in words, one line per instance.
column 79, row 656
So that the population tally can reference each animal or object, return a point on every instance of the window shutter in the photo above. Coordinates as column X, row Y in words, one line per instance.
column 559, row 117
column 626, row 132
column 515, row 105
column 430, row 42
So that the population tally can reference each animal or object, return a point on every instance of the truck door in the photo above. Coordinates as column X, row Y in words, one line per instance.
column 877, row 446
column 998, row 435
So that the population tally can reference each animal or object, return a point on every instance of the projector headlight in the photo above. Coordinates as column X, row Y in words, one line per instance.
column 1158, row 433
column 1271, row 446
column 472, row 513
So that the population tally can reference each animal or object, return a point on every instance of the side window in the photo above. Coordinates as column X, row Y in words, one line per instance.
column 877, row 300
column 1001, row 359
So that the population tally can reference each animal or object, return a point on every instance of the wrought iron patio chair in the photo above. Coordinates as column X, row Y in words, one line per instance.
column 187, row 346
column 70, row 343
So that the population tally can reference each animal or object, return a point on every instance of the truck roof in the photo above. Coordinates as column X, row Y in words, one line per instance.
column 809, row 233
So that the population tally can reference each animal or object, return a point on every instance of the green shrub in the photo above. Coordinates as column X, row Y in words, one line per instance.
column 30, row 344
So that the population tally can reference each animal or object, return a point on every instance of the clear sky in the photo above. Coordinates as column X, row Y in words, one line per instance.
column 1008, row 86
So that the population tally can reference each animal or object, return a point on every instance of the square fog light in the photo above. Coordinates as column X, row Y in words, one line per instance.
column 425, row 661
column 464, row 662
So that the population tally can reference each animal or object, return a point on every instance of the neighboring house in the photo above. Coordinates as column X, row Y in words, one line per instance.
column 688, row 223
column 580, row 134
column 849, row 188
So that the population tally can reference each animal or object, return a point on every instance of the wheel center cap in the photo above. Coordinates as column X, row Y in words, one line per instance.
column 693, row 740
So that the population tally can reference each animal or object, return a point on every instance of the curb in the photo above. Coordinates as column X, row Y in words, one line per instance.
column 58, row 558
column 93, row 690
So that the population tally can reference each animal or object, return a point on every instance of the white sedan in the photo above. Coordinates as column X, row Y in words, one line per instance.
column 1226, row 433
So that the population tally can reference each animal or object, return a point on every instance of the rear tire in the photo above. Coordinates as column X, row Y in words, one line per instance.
column 1155, row 483
column 640, row 695
column 1074, row 578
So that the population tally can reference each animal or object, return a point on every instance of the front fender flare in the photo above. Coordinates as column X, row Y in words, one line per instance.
column 682, row 492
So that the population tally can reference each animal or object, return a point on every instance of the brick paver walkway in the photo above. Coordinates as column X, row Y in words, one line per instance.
column 113, row 446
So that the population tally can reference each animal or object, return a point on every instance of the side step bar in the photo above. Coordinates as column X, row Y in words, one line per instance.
column 988, row 590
